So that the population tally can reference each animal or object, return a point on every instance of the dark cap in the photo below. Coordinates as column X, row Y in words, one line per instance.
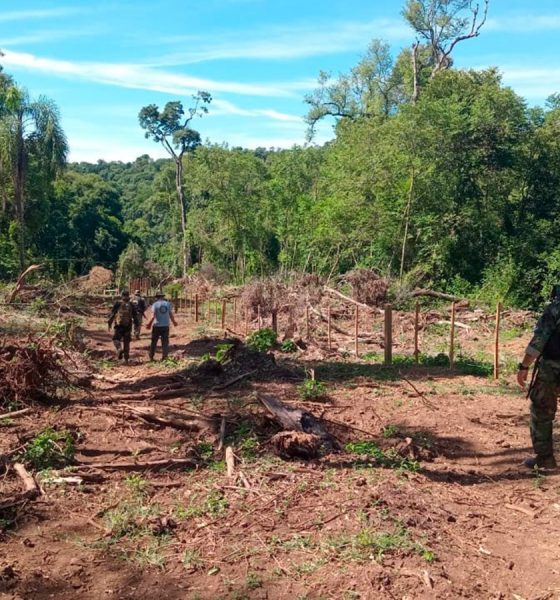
column 555, row 292
column 125, row 293
column 160, row 294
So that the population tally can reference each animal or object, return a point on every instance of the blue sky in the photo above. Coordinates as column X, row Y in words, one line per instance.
column 102, row 61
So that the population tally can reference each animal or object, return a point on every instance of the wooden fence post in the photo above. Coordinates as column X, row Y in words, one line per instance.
column 416, row 325
column 329, row 341
column 307, row 321
column 235, row 314
column 259, row 317
column 196, row 308
column 224, row 315
column 388, row 334
column 356, row 331
column 209, row 316
column 452, row 338
column 497, row 341
column 245, row 311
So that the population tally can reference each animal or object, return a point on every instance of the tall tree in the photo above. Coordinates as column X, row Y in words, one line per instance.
column 440, row 25
column 32, row 139
column 170, row 128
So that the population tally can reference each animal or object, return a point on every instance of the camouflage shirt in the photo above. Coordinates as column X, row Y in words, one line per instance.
column 545, row 327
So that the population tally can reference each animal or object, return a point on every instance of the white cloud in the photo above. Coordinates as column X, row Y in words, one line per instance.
column 45, row 36
column 142, row 77
column 47, row 13
column 524, row 23
column 282, row 43
column 532, row 83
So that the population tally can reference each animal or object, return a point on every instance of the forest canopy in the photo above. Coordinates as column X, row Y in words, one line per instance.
column 436, row 176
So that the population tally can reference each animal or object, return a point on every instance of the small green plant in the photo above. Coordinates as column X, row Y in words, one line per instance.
column 205, row 450
column 171, row 362
column 223, row 352
column 384, row 458
column 253, row 581
column 50, row 449
column 390, row 431
column 137, row 484
column 262, row 340
column 288, row 346
column 311, row 389
column 192, row 560
column 249, row 447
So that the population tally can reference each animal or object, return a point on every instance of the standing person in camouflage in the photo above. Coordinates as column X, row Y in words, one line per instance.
column 123, row 316
column 140, row 305
column 544, row 351
column 162, row 311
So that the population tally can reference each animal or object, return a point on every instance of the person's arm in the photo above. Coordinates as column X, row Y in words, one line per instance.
column 171, row 315
column 135, row 319
column 113, row 314
column 149, row 324
column 545, row 327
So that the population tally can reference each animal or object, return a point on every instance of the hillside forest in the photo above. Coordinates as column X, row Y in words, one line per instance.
column 436, row 176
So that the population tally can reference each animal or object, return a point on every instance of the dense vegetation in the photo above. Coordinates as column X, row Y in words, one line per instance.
column 436, row 176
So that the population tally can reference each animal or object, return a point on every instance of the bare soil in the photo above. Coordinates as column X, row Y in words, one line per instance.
column 453, row 514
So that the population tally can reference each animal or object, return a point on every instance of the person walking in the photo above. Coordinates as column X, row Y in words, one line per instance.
column 544, row 351
column 123, row 316
column 162, row 314
column 140, row 305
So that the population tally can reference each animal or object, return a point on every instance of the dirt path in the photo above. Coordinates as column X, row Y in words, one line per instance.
column 457, row 516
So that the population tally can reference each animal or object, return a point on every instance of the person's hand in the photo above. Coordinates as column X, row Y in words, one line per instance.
column 522, row 377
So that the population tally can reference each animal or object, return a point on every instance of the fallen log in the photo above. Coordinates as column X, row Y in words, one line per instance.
column 147, row 414
column 15, row 413
column 31, row 490
column 295, row 419
column 432, row 294
column 355, row 302
column 20, row 282
column 138, row 466
column 234, row 380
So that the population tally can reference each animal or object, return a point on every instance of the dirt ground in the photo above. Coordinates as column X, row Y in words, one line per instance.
column 426, row 498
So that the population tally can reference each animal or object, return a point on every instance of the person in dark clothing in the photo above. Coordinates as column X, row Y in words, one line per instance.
column 162, row 314
column 123, row 317
column 139, row 303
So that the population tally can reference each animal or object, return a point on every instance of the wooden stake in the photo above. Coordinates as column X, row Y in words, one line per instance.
column 245, row 311
column 416, row 326
column 223, row 315
column 329, row 341
column 497, row 341
column 388, row 334
column 356, row 331
column 196, row 308
column 235, row 314
column 209, row 308
column 452, row 338
column 259, row 317
column 307, row 321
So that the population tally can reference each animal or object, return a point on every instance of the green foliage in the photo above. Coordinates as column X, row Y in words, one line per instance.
column 388, row 459
column 262, row 340
column 288, row 346
column 312, row 389
column 50, row 449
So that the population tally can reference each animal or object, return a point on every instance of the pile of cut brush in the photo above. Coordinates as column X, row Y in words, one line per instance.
column 34, row 370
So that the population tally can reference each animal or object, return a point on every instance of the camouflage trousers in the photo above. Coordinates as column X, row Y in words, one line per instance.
column 544, row 400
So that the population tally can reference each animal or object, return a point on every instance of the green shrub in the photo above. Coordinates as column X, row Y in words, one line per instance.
column 288, row 346
column 50, row 449
column 262, row 340
column 312, row 389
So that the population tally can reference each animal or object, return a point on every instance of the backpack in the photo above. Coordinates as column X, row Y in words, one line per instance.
column 124, row 315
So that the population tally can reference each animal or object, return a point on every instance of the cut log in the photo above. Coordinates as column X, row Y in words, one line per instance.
column 295, row 419
column 230, row 461
column 296, row 444
column 31, row 489
column 147, row 414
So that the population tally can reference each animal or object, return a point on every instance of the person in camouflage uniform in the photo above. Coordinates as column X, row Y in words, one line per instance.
column 544, row 349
